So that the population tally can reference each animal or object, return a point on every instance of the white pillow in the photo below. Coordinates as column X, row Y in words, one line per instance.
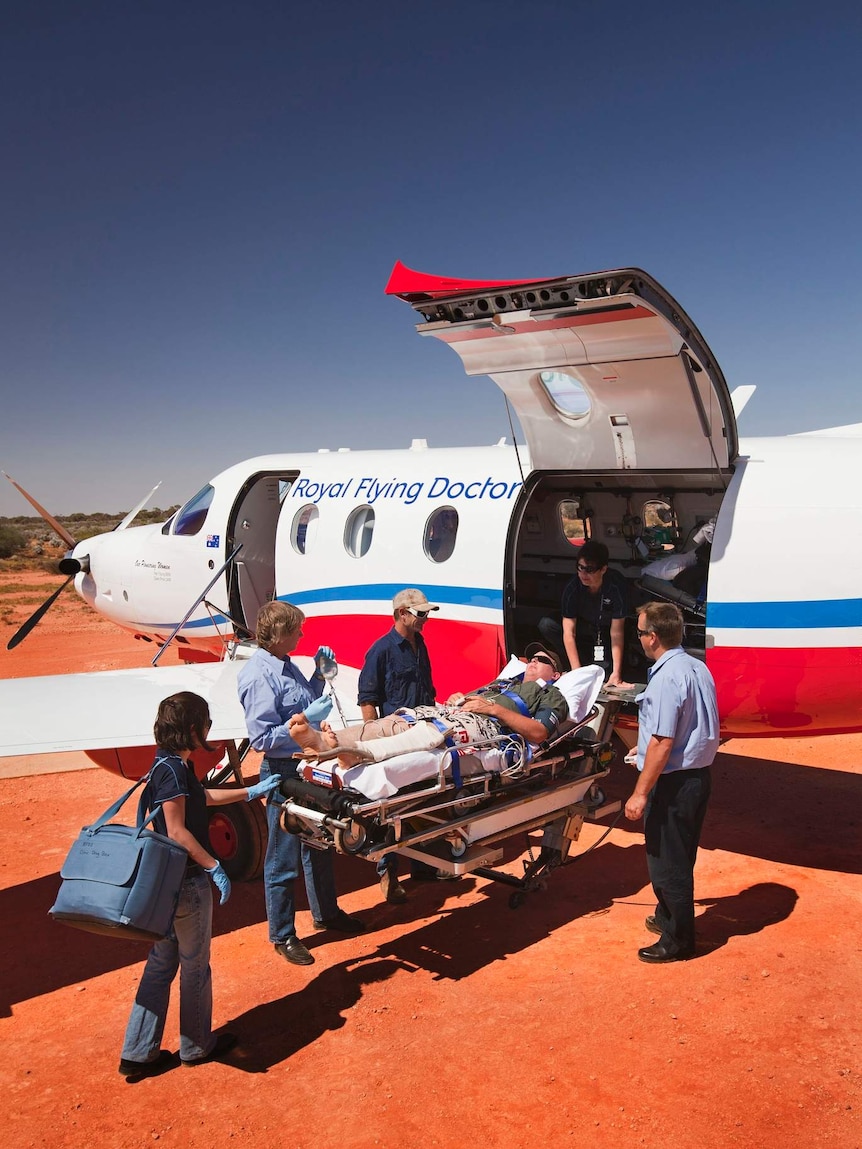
column 514, row 668
column 580, row 688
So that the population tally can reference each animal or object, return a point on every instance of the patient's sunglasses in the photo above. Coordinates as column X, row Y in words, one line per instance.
column 542, row 658
column 585, row 568
column 418, row 613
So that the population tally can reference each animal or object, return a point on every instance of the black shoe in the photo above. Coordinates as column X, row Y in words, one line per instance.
column 341, row 922
column 224, row 1043
column 392, row 890
column 659, row 954
column 294, row 951
column 653, row 926
column 137, row 1069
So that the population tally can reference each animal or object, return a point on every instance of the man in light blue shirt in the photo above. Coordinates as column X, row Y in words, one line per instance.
column 272, row 690
column 678, row 737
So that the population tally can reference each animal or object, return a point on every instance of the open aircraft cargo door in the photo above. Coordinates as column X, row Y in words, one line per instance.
column 605, row 371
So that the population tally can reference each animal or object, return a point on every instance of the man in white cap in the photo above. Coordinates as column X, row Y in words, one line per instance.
column 397, row 673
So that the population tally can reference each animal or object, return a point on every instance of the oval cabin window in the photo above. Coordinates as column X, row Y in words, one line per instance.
column 303, row 531
column 441, row 530
column 358, row 532
column 566, row 393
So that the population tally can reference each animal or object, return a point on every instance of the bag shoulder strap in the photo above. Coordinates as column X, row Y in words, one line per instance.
column 115, row 807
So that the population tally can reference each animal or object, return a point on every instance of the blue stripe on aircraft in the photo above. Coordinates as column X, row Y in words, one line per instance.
column 807, row 615
column 455, row 595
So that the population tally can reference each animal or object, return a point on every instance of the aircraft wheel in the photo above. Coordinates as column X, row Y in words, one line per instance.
column 238, row 836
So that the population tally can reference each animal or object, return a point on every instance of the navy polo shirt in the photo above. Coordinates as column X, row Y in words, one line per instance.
column 170, row 778
column 597, row 610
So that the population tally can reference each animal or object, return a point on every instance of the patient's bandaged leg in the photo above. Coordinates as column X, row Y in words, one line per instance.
column 420, row 736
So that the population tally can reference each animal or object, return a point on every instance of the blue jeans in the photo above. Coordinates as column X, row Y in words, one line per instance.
column 186, row 948
column 284, row 853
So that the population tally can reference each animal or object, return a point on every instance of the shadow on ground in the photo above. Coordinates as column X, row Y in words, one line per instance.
column 760, row 808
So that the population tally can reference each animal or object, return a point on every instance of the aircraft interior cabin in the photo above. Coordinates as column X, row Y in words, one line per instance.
column 657, row 528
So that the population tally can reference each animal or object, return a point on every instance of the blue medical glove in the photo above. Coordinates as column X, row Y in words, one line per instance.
column 316, row 711
column 325, row 662
column 222, row 882
column 263, row 787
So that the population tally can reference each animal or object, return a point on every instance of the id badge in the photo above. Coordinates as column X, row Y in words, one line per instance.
column 598, row 654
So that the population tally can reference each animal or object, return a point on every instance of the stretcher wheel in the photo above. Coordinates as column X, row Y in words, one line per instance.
column 351, row 840
column 517, row 899
column 458, row 849
column 290, row 823
column 596, row 797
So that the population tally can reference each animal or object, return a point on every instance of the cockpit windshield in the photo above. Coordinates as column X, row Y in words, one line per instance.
column 190, row 518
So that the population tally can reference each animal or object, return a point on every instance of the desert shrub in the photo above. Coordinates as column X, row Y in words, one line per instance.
column 11, row 541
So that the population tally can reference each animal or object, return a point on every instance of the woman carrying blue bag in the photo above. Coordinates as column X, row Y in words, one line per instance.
column 182, row 725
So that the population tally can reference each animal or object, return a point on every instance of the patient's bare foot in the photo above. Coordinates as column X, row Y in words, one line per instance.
column 330, row 736
column 304, row 734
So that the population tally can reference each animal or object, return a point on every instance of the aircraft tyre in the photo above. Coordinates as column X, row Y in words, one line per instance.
column 238, row 836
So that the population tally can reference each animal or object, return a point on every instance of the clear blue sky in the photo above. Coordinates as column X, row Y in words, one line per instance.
column 201, row 202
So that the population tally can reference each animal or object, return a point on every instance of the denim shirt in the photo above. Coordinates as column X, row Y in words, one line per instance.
column 394, row 676
column 271, row 691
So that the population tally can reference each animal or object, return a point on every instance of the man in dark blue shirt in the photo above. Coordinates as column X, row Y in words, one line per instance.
column 397, row 669
column 396, row 673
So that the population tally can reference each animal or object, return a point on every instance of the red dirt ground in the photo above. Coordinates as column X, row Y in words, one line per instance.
column 455, row 1020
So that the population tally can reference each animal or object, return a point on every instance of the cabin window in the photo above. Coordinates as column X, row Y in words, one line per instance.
column 192, row 516
column 441, row 530
column 660, row 528
column 303, row 530
column 358, row 532
column 574, row 522
column 566, row 393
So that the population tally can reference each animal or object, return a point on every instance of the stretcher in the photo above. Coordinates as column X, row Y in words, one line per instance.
column 460, row 805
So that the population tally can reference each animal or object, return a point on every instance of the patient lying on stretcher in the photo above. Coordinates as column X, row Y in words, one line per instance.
column 532, row 708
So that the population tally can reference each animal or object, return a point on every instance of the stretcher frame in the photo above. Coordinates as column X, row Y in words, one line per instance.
column 457, row 828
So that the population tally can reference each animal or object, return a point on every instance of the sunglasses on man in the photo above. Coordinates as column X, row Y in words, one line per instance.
column 586, row 568
column 417, row 613
column 543, row 658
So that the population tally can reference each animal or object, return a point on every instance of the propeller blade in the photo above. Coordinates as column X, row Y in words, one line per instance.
column 122, row 526
column 37, row 616
column 49, row 519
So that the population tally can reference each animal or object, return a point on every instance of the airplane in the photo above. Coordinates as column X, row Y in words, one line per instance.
column 631, row 439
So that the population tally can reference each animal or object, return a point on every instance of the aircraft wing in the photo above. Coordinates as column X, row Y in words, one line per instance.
column 111, row 708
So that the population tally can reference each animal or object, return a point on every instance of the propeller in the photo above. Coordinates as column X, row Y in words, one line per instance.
column 68, row 566
column 37, row 615
column 58, row 528
column 122, row 526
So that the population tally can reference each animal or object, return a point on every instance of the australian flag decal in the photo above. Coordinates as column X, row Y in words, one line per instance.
column 213, row 540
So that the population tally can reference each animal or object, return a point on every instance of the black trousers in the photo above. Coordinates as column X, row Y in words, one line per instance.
column 675, row 811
